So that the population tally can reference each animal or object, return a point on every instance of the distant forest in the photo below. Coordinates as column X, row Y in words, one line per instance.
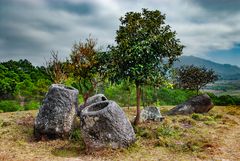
column 23, row 87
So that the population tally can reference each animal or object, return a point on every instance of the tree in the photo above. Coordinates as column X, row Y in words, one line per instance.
column 146, row 48
column 8, row 81
column 24, row 90
column 194, row 78
column 55, row 69
column 83, row 66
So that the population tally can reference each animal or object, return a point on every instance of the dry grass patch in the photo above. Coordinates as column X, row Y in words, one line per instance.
column 192, row 137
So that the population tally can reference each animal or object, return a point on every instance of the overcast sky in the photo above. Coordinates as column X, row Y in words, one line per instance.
column 32, row 28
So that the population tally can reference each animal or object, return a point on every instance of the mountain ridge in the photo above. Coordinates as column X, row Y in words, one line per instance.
column 226, row 71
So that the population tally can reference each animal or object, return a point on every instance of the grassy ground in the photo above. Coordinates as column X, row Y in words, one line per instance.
column 212, row 136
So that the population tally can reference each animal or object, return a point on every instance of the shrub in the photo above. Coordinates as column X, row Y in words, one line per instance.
column 224, row 100
column 32, row 105
column 168, row 131
column 10, row 106
column 143, row 132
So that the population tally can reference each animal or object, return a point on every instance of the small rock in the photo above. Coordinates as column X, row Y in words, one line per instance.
column 56, row 115
column 104, row 124
column 151, row 113
column 198, row 104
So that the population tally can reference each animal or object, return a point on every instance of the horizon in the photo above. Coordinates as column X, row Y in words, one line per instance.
column 31, row 29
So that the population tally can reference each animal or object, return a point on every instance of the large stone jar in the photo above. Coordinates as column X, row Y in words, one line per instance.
column 56, row 115
column 104, row 124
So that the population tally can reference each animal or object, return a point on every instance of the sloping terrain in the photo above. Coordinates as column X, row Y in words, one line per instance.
column 212, row 136
column 226, row 71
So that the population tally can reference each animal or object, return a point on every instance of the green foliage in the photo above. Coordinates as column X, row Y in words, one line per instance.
column 75, row 135
column 24, row 88
column 146, row 48
column 224, row 100
column 10, row 106
column 194, row 78
column 144, row 132
column 168, row 131
column 84, row 67
column 56, row 69
column 121, row 93
column 168, row 96
column 32, row 105
column 22, row 81
column 143, row 41
column 208, row 120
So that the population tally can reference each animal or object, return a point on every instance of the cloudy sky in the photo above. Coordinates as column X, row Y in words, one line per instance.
column 32, row 28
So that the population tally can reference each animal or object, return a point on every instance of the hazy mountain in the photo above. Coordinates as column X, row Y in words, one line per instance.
column 226, row 71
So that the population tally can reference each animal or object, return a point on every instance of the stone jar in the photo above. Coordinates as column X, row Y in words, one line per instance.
column 56, row 115
column 104, row 124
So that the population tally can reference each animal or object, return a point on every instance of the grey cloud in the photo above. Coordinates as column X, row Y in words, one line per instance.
column 30, row 29
column 82, row 8
column 219, row 5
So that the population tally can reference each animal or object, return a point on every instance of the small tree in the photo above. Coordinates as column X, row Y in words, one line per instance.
column 83, row 66
column 194, row 78
column 145, row 48
column 55, row 69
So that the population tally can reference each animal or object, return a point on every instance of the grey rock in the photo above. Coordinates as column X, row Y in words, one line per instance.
column 198, row 104
column 56, row 115
column 151, row 113
column 104, row 124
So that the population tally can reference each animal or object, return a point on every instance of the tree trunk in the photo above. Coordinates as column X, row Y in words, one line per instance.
column 85, row 97
column 22, row 101
column 138, row 90
column 143, row 99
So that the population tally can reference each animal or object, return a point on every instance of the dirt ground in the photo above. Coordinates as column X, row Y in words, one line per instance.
column 212, row 136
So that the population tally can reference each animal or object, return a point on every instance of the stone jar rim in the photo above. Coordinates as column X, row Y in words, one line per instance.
column 64, row 87
column 89, row 110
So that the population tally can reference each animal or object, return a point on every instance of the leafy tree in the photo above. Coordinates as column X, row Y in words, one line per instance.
column 24, row 90
column 8, row 81
column 40, row 89
column 83, row 66
column 146, row 48
column 194, row 78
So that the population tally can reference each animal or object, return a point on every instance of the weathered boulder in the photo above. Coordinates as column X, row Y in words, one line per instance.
column 56, row 115
column 104, row 124
column 198, row 104
column 151, row 113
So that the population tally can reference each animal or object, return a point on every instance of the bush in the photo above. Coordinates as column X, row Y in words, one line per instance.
column 10, row 106
column 173, row 96
column 32, row 105
column 121, row 95
column 224, row 100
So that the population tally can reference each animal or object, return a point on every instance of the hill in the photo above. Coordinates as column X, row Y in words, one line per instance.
column 226, row 71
